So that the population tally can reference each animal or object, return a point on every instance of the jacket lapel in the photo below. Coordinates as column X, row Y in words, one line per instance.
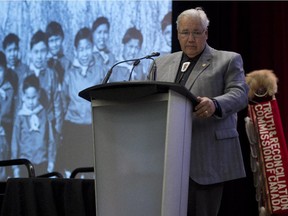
column 171, row 68
column 203, row 62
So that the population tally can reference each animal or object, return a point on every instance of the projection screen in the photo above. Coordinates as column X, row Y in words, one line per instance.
column 68, row 46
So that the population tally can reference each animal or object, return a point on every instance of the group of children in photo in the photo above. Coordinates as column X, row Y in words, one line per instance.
column 42, row 118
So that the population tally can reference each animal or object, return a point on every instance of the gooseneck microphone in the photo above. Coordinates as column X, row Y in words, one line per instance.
column 134, row 65
column 153, row 69
column 154, row 54
column 108, row 75
column 137, row 61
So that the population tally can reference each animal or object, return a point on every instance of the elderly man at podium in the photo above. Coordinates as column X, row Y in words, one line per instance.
column 218, row 80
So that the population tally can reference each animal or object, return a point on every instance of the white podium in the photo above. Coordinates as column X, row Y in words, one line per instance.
column 142, row 137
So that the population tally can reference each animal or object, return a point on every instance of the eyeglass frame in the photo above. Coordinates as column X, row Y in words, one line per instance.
column 195, row 34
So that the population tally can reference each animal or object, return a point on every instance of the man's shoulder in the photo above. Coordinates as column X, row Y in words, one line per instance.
column 226, row 53
column 169, row 57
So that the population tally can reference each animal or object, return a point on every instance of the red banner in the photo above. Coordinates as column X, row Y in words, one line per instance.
column 273, row 158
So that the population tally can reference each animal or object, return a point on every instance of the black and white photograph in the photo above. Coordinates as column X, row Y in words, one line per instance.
column 68, row 46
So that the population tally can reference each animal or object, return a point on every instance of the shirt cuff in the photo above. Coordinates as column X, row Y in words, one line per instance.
column 218, row 110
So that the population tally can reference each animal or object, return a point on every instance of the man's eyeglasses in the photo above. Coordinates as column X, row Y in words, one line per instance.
column 195, row 34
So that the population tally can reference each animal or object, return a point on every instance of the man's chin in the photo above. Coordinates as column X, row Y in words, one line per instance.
column 191, row 53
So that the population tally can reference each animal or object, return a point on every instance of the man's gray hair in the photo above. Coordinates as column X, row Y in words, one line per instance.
column 195, row 13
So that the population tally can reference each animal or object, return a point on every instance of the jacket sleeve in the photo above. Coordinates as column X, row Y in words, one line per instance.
column 235, row 97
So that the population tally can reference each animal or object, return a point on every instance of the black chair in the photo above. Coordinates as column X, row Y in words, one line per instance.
column 14, row 162
column 50, row 175
column 22, row 161
column 81, row 170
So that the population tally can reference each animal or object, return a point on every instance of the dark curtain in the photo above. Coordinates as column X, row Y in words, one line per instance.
column 259, row 32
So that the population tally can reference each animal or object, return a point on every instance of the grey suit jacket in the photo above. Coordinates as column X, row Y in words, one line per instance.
column 215, row 149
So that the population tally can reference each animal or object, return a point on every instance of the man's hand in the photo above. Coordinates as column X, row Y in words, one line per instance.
column 205, row 108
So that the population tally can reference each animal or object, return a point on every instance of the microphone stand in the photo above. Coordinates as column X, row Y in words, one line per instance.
column 153, row 70
column 136, row 62
column 108, row 75
column 134, row 65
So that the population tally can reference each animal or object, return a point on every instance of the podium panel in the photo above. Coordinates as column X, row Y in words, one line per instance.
column 129, row 158
column 142, row 153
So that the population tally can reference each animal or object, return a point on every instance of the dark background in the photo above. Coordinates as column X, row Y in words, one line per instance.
column 259, row 32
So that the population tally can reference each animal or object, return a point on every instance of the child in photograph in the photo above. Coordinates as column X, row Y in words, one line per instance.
column 56, row 58
column 32, row 135
column 77, row 132
column 6, row 113
column 100, row 31
column 16, row 69
column 132, row 43
column 50, row 96
column 14, row 64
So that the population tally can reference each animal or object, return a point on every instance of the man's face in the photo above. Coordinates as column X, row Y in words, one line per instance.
column 84, row 52
column 38, row 55
column 131, row 49
column 55, row 44
column 192, row 36
column 100, row 36
column 11, row 52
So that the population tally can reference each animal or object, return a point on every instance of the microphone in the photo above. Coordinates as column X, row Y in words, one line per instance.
column 153, row 54
column 109, row 73
column 153, row 70
column 134, row 65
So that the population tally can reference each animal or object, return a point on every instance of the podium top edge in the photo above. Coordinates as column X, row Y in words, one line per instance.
column 158, row 87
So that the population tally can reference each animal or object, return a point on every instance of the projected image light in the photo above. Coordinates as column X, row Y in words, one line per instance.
column 69, row 46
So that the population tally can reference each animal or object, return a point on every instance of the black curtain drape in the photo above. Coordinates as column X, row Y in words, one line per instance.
column 259, row 32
